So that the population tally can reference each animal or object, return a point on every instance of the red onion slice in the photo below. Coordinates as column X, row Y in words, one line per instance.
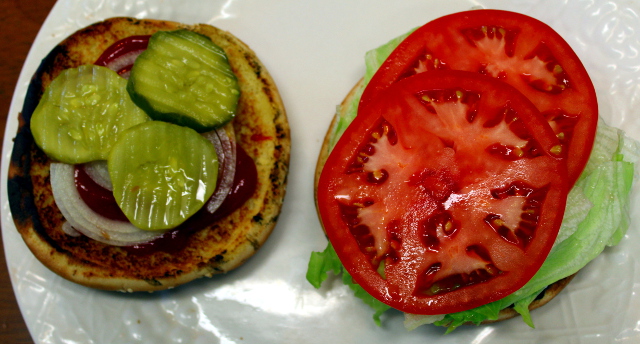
column 121, row 55
column 226, row 149
column 122, row 64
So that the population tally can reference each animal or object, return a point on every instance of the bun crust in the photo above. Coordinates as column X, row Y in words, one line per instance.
column 217, row 248
column 549, row 293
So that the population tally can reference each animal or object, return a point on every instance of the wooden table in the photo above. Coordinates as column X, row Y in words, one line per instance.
column 20, row 21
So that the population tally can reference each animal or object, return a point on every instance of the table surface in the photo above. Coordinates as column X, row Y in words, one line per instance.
column 19, row 24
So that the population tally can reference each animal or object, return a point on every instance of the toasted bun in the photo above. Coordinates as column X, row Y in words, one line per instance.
column 219, row 247
column 549, row 293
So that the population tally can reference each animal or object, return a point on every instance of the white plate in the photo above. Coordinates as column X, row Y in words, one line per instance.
column 314, row 50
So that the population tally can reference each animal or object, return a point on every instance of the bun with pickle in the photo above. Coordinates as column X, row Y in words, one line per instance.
column 149, row 153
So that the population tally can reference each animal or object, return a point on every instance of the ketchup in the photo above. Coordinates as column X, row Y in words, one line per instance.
column 244, row 184
column 96, row 197
column 122, row 47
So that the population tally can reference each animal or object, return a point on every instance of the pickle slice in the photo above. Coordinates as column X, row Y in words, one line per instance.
column 82, row 113
column 184, row 78
column 162, row 174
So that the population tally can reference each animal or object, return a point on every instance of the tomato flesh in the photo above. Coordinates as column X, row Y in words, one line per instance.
column 513, row 48
column 444, row 194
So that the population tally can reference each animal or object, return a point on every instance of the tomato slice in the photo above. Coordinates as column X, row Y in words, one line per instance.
column 514, row 48
column 445, row 194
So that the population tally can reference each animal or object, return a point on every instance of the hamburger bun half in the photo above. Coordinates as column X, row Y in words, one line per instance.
column 216, row 248
column 547, row 295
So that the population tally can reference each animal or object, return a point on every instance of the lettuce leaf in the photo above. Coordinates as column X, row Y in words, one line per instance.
column 373, row 59
column 597, row 216
column 321, row 263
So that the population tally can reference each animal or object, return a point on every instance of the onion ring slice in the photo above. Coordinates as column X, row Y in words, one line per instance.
column 82, row 219
column 223, row 140
column 86, row 221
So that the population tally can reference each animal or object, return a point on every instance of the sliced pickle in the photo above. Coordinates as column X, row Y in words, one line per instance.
column 82, row 113
column 162, row 174
column 184, row 78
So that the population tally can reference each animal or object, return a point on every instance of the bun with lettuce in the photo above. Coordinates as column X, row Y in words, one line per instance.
column 592, row 212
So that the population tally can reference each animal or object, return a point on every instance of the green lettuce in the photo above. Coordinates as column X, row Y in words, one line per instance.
column 373, row 60
column 327, row 261
column 596, row 216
